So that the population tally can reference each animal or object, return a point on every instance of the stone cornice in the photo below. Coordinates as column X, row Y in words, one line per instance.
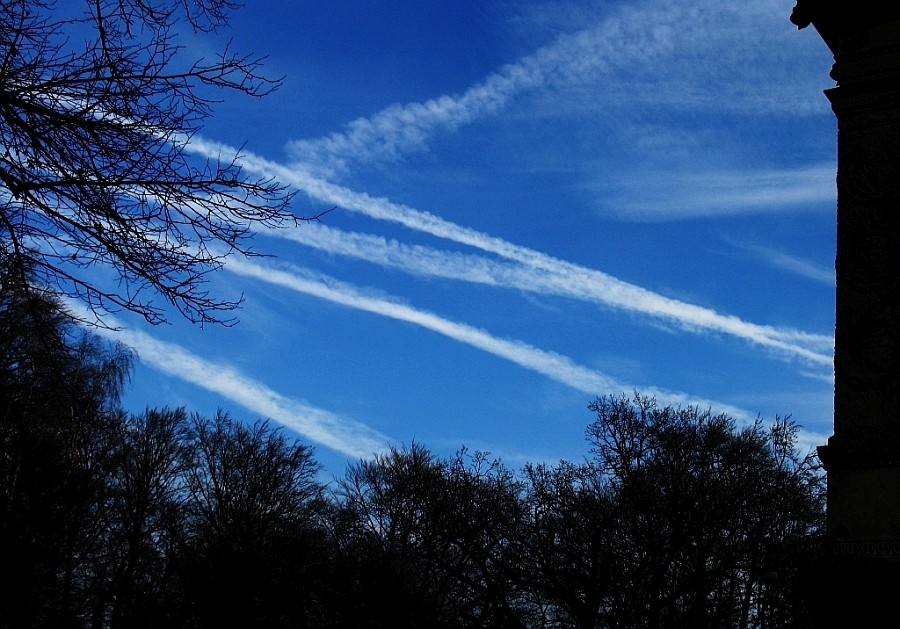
column 838, row 22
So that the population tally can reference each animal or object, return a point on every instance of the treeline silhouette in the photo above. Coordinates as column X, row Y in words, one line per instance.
column 676, row 517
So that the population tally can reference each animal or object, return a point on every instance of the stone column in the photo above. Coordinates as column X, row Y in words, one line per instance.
column 858, row 580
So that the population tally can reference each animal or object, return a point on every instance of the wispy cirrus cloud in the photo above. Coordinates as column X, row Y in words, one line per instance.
column 401, row 129
column 792, row 264
column 549, row 364
column 664, row 196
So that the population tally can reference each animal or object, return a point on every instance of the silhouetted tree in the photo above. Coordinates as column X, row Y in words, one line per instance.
column 382, row 525
column 570, row 559
column 59, row 390
column 432, row 540
column 254, row 530
column 681, row 519
column 98, row 108
column 136, row 575
column 479, row 520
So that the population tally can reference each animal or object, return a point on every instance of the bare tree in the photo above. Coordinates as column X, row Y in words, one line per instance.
column 433, row 537
column 97, row 112
column 712, row 523
column 253, row 510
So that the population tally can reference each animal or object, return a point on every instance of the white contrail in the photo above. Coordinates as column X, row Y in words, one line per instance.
column 626, row 36
column 640, row 49
column 430, row 262
column 343, row 435
column 610, row 290
column 400, row 129
column 550, row 364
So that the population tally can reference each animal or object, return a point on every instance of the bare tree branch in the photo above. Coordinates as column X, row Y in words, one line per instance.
column 93, row 166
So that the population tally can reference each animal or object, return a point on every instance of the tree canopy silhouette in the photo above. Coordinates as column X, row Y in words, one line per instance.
column 59, row 391
column 98, row 108
column 678, row 517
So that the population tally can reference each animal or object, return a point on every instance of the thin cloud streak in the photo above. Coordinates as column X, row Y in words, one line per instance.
column 550, row 364
column 666, row 196
column 793, row 264
column 346, row 436
column 610, row 290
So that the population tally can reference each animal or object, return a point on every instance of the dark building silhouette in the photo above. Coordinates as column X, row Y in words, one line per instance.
column 858, row 579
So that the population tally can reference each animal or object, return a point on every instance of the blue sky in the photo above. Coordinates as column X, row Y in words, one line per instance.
column 536, row 203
